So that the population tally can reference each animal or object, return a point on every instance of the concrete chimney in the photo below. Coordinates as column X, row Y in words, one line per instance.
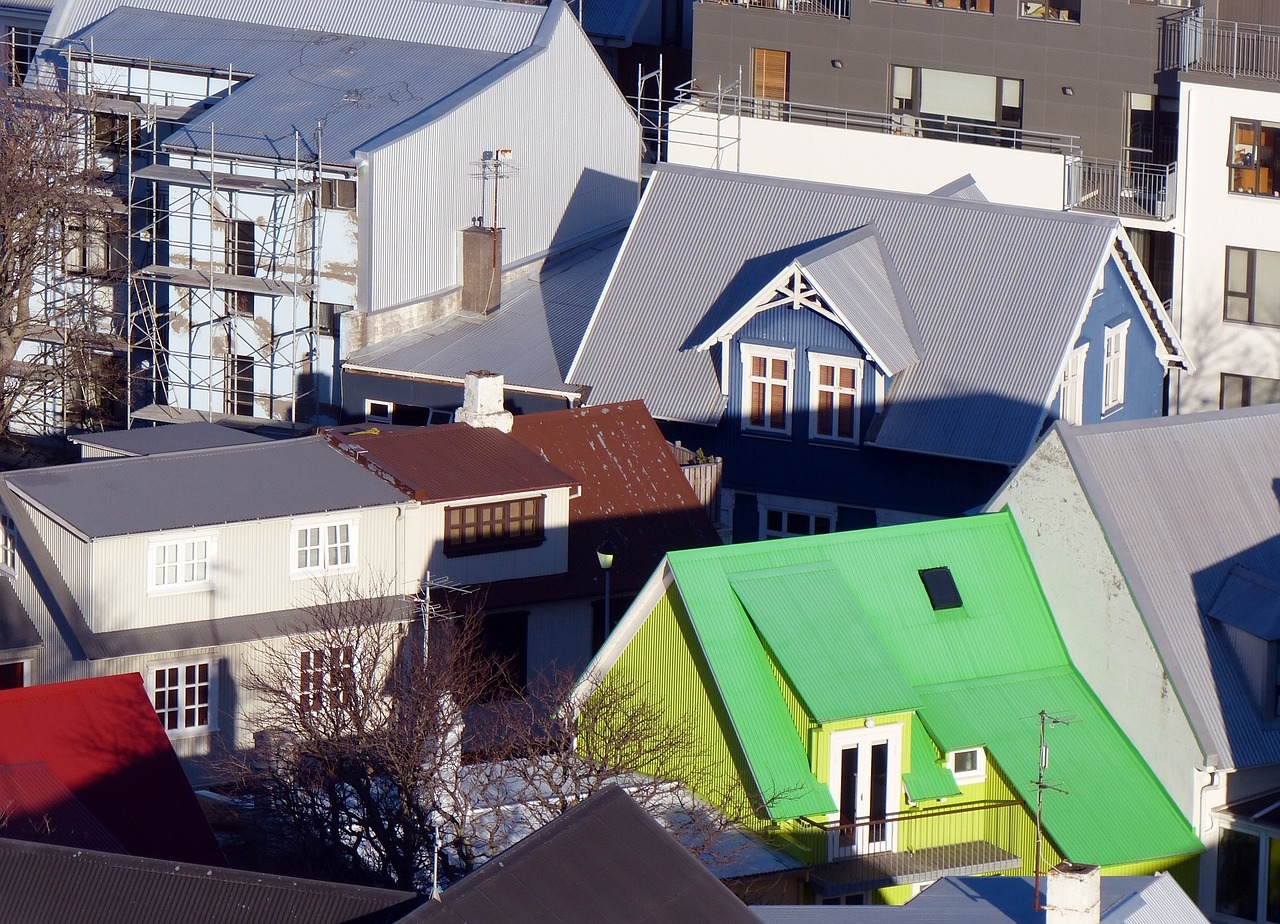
column 482, row 402
column 481, row 269
column 1073, row 895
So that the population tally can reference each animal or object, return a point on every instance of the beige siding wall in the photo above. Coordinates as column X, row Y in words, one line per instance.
column 72, row 555
column 253, row 571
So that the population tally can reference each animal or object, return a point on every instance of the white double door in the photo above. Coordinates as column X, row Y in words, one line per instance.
column 865, row 778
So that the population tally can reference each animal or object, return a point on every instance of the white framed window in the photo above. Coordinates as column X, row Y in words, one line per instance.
column 338, row 194
column 766, row 388
column 835, row 396
column 968, row 765
column 180, row 565
column 782, row 516
column 183, row 695
column 378, row 411
column 1115, row 350
column 1071, row 395
column 323, row 547
column 326, row 677
column 8, row 544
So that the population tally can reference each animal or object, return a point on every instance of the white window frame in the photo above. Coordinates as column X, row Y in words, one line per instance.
column 26, row 668
column 1114, row 365
column 1071, row 390
column 317, row 699
column 792, row 505
column 964, row 777
column 369, row 406
column 750, row 351
column 185, row 554
column 8, row 544
column 818, row 360
column 326, row 541
column 183, row 690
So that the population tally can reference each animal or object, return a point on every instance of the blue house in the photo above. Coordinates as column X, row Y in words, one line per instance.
column 861, row 357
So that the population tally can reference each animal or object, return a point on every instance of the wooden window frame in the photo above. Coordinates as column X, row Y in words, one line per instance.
column 767, row 399
column 472, row 529
column 326, row 674
column 833, row 392
column 1251, row 159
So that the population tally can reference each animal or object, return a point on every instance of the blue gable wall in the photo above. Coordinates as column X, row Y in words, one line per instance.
column 1144, row 374
column 856, row 479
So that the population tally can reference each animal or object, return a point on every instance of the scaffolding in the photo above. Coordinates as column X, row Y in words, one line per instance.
column 221, row 252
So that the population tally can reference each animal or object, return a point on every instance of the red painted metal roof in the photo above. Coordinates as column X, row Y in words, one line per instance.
column 455, row 461
column 37, row 807
column 100, row 738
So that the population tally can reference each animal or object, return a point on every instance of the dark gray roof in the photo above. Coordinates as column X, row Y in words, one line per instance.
column 45, row 882
column 613, row 21
column 965, row 187
column 117, row 497
column 1183, row 501
column 1001, row 900
column 997, row 291
column 146, row 441
column 1250, row 602
column 530, row 340
column 360, row 87
column 603, row 860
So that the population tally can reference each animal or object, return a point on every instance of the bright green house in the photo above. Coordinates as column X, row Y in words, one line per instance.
column 877, row 695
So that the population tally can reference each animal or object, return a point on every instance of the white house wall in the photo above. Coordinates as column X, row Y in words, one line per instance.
column 253, row 571
column 860, row 158
column 575, row 145
column 1105, row 635
column 1214, row 219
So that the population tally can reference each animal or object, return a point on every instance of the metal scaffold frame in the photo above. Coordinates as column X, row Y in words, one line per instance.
column 219, row 298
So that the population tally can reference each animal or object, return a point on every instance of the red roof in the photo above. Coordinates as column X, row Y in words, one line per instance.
column 37, row 807
column 101, row 739
column 451, row 462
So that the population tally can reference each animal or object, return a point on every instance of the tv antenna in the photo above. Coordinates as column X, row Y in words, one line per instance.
column 1042, row 784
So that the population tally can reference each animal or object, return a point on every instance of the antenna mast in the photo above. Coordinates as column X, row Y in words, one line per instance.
column 1041, row 785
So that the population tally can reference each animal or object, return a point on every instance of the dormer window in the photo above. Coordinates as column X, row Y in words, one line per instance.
column 1248, row 611
column 941, row 588
column 507, row 524
column 766, row 389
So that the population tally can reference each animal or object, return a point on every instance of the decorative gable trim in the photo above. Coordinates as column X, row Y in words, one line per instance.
column 1169, row 348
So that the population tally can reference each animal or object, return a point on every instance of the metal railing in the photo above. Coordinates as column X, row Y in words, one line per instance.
column 1127, row 190
column 1191, row 42
column 948, row 834
column 946, row 129
column 837, row 8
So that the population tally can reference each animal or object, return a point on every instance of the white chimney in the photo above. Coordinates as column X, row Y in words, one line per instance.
column 482, row 402
column 1073, row 895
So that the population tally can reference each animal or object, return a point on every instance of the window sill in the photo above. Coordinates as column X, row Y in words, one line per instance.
column 831, row 443
column 1244, row 193
column 1234, row 322
column 201, row 588
column 484, row 548
column 1112, row 411
column 202, row 732
column 304, row 573
column 767, row 434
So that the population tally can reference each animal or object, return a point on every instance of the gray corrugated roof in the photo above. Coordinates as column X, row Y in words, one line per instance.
column 997, row 291
column 855, row 274
column 481, row 25
column 613, row 21
column 360, row 87
column 146, row 441
column 530, row 340
column 1182, row 501
column 116, row 497
column 1250, row 602
column 965, row 187
column 36, row 882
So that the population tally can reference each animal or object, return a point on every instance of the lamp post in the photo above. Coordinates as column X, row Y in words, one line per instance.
column 604, row 555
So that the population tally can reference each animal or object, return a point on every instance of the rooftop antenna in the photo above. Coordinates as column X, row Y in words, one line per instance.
column 1041, row 785
column 499, row 165
column 428, row 609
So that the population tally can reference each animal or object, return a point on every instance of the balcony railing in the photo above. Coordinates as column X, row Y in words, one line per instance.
column 1127, row 190
column 837, row 8
column 1191, row 42
column 945, row 129
column 914, row 846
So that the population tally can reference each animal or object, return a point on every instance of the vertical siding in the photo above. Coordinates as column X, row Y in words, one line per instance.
column 577, row 156
column 252, row 572
column 74, row 558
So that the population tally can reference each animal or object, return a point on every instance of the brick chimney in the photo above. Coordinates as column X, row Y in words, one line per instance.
column 481, row 269
column 482, row 402
column 1073, row 895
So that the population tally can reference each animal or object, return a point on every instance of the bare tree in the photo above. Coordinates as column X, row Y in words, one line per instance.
column 60, row 266
column 360, row 771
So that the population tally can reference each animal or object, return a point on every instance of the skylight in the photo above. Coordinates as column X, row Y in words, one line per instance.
column 941, row 588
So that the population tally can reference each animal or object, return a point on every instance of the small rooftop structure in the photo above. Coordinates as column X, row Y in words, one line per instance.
column 147, row 441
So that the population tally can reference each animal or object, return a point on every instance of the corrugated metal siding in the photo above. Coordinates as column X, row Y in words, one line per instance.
column 74, row 558
column 478, row 24
column 1181, row 501
column 577, row 173
column 996, row 290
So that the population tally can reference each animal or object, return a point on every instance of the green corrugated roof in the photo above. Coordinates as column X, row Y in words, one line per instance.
column 792, row 606
column 978, row 670
column 927, row 779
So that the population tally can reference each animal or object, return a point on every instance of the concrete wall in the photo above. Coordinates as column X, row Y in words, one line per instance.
column 1099, row 622
column 861, row 158
column 1113, row 49
column 1215, row 218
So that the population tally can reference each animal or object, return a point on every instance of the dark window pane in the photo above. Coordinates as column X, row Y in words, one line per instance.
column 1237, row 892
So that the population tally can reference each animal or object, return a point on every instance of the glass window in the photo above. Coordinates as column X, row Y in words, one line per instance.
column 486, row 527
column 835, row 388
column 1056, row 10
column 1115, row 345
column 182, row 696
column 1248, row 391
column 1237, row 887
column 326, row 678
column 766, row 399
column 1251, row 157
column 8, row 544
column 323, row 547
column 181, row 564
column 779, row 524
column 1252, row 291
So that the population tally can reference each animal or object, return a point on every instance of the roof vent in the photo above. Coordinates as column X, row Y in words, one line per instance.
column 941, row 588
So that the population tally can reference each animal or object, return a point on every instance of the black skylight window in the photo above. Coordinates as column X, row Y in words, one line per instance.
column 941, row 588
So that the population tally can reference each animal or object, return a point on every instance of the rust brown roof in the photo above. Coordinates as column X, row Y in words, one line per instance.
column 451, row 462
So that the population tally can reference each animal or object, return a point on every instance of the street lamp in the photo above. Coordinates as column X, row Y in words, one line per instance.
column 604, row 555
